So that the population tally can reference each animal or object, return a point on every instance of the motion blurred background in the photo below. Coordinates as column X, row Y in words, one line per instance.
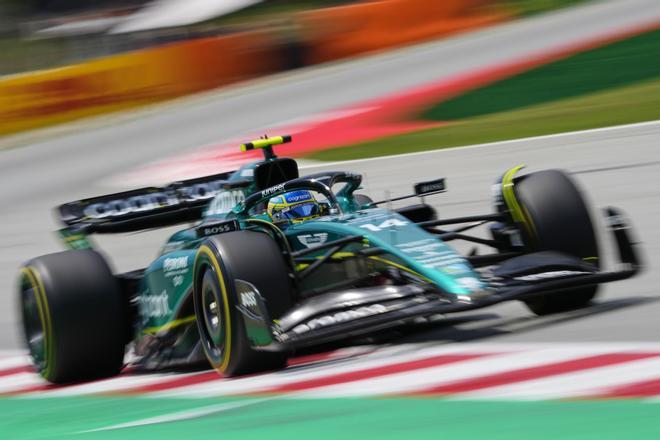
column 123, row 54
column 99, row 96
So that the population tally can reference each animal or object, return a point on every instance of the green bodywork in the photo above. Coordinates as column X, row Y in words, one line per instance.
column 164, row 292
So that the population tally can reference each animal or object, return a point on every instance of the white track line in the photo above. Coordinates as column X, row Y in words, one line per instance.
column 182, row 415
column 488, row 144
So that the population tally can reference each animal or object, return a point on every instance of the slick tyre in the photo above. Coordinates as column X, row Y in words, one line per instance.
column 74, row 316
column 223, row 264
column 557, row 219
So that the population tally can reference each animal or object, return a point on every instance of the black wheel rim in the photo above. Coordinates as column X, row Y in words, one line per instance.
column 213, row 315
column 33, row 328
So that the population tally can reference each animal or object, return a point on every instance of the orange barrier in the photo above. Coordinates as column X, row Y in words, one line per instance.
column 136, row 78
column 345, row 31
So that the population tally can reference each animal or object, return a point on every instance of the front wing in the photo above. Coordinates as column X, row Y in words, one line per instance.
column 414, row 302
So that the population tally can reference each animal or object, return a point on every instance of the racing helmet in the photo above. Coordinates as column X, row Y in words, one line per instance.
column 294, row 206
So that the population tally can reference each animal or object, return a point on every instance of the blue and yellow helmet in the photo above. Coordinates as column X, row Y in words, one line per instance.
column 294, row 206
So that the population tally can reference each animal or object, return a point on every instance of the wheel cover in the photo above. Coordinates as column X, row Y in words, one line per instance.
column 212, row 309
column 213, row 320
column 33, row 325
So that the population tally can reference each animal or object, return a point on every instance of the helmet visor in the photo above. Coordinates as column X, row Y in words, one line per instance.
column 300, row 211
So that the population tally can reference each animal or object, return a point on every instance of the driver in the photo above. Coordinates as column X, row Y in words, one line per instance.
column 294, row 206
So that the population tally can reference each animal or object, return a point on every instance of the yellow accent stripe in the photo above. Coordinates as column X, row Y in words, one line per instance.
column 263, row 143
column 204, row 249
column 399, row 266
column 340, row 255
column 518, row 213
column 170, row 325
column 44, row 316
column 509, row 195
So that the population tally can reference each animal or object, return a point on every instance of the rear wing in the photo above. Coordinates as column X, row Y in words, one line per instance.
column 144, row 208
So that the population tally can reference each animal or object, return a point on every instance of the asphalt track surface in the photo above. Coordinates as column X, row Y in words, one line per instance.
column 619, row 167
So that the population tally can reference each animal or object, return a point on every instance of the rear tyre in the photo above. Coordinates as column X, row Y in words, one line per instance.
column 74, row 316
column 557, row 219
column 222, row 262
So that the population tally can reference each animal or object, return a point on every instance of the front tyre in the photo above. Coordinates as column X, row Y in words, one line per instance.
column 74, row 316
column 222, row 262
column 556, row 218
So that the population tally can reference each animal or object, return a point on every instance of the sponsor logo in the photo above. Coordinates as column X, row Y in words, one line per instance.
column 176, row 263
column 176, row 268
column 390, row 223
column 433, row 254
column 217, row 228
column 549, row 275
column 337, row 318
column 311, row 240
column 155, row 200
column 177, row 280
column 248, row 299
column 273, row 190
column 297, row 196
column 429, row 187
column 121, row 207
column 202, row 190
column 154, row 306
column 225, row 201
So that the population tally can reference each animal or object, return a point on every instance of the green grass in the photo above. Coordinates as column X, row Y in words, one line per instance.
column 621, row 63
column 623, row 105
column 624, row 62
column 531, row 7
column 19, row 55
column 321, row 419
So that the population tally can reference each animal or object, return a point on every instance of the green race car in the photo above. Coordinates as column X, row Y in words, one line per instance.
column 276, row 262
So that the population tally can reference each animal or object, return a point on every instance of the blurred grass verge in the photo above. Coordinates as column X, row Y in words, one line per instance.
column 383, row 418
column 616, row 64
column 531, row 7
column 622, row 105
column 618, row 83
column 21, row 55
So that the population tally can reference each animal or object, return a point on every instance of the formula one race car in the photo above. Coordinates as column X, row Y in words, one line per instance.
column 276, row 262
